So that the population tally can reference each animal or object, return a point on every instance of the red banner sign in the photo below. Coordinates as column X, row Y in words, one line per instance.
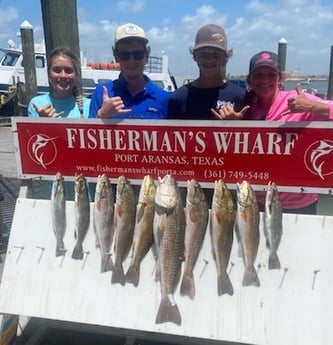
column 295, row 155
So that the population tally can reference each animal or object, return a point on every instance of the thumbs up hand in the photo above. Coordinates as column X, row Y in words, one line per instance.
column 299, row 103
column 111, row 105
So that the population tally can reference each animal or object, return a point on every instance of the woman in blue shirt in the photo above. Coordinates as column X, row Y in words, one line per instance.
column 65, row 97
column 64, row 100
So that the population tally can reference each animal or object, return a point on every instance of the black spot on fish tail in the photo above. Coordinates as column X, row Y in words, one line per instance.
column 168, row 312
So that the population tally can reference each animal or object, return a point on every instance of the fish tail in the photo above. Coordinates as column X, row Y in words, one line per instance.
column 157, row 273
column 187, row 287
column 168, row 312
column 77, row 252
column 60, row 249
column 106, row 263
column 273, row 261
column 250, row 277
column 118, row 275
column 224, row 285
column 133, row 275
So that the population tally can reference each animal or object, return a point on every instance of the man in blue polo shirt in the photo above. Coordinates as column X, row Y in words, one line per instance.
column 133, row 94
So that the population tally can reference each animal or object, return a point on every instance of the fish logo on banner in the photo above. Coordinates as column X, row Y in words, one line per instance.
column 42, row 149
column 318, row 158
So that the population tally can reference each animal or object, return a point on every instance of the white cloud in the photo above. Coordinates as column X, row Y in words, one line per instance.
column 132, row 6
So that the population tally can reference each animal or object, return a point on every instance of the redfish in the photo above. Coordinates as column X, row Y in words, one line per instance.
column 103, row 216
column 171, row 250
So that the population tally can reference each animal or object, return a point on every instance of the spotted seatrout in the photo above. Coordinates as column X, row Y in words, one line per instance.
column 171, row 250
column 58, row 212
column 247, row 229
column 273, row 224
column 103, row 220
column 197, row 213
column 125, row 209
column 82, row 214
column 223, row 215
column 143, row 232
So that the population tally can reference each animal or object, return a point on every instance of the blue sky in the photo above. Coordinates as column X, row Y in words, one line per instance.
column 170, row 25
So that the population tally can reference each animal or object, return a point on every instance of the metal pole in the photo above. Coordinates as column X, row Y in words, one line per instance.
column 330, row 78
column 282, row 54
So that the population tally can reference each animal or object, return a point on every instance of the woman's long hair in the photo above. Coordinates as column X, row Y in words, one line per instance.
column 77, row 89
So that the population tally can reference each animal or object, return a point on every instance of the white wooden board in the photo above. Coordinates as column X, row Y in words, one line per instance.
column 290, row 308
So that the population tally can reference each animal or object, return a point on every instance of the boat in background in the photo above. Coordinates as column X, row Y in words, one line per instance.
column 12, row 75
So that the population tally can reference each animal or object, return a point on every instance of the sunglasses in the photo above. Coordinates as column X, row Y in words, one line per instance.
column 136, row 55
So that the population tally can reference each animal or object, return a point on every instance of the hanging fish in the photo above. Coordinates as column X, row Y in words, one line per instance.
column 82, row 214
column 58, row 212
column 223, row 215
column 247, row 228
column 143, row 232
column 103, row 220
column 273, row 224
column 197, row 213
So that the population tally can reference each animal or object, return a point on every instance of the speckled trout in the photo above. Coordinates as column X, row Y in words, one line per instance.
column 58, row 212
column 143, row 231
column 103, row 215
column 247, row 228
column 125, row 210
column 223, row 215
column 273, row 224
column 82, row 214
column 197, row 213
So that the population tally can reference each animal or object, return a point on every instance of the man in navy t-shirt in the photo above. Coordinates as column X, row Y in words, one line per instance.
column 211, row 96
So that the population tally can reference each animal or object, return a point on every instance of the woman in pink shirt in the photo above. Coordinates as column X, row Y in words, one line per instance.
column 268, row 102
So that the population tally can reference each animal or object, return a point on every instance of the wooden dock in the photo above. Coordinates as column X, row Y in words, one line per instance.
column 7, row 152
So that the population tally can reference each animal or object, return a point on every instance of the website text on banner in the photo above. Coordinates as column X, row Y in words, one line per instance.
column 296, row 156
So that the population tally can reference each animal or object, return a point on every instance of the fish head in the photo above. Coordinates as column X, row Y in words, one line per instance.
column 195, row 194
column 221, row 193
column 58, row 177
column 167, row 192
column 102, row 186
column 58, row 184
column 124, row 189
column 245, row 193
column 147, row 190
column 80, row 186
column 272, row 195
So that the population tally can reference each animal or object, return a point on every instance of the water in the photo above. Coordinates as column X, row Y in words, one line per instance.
column 320, row 85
